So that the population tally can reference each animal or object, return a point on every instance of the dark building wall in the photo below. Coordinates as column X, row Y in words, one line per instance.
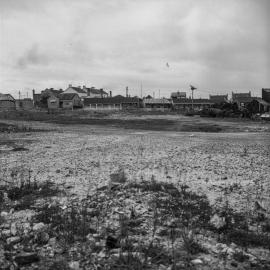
column 266, row 94
column 7, row 105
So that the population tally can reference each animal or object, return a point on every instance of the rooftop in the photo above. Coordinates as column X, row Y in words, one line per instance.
column 6, row 97
column 111, row 100
column 67, row 96
column 156, row 101
column 195, row 101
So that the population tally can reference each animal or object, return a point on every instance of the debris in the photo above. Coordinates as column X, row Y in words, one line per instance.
column 26, row 258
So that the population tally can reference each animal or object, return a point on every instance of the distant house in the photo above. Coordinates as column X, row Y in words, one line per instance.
column 178, row 95
column 159, row 104
column 7, row 102
column 258, row 105
column 242, row 99
column 41, row 100
column 95, row 93
column 24, row 104
column 36, row 98
column 69, row 101
column 112, row 103
column 218, row 99
column 52, row 103
column 266, row 94
column 186, row 104
column 82, row 93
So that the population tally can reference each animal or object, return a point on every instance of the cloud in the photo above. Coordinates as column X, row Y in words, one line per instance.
column 33, row 56
column 115, row 43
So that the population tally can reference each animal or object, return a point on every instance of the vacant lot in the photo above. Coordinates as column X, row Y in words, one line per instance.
column 228, row 163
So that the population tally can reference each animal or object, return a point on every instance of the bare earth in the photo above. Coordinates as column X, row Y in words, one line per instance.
column 81, row 158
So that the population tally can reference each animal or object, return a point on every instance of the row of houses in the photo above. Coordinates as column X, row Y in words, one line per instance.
column 8, row 102
column 98, row 99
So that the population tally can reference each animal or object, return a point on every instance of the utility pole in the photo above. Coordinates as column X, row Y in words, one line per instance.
column 192, row 88
column 141, row 89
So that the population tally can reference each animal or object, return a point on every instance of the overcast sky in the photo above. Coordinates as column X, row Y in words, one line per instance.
column 218, row 46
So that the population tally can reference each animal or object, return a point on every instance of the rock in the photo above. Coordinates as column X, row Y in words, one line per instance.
column 26, row 228
column 6, row 233
column 217, row 221
column 42, row 238
column 74, row 265
column 13, row 229
column 13, row 240
column 4, row 214
column 234, row 264
column 39, row 227
column 197, row 261
column 52, row 241
column 111, row 242
column 26, row 258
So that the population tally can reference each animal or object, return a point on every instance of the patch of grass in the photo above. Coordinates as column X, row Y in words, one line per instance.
column 246, row 239
column 12, row 128
column 70, row 224
column 27, row 193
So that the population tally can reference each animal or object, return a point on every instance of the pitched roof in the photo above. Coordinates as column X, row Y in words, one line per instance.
column 178, row 94
column 67, row 96
column 261, row 101
column 6, row 97
column 111, row 100
column 218, row 98
column 78, row 90
column 156, row 101
column 242, row 99
column 195, row 101
column 93, row 90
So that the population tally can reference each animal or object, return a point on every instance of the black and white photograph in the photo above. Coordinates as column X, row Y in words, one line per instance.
column 134, row 135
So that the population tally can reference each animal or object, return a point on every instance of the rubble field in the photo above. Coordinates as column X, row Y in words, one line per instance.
column 97, row 196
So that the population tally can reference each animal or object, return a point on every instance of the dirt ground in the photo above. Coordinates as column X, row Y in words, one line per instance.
column 82, row 157
column 229, row 162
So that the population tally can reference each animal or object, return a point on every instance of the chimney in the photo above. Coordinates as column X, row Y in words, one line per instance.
column 33, row 93
column 84, row 87
column 127, row 91
column 110, row 93
column 79, row 86
column 88, row 92
column 70, row 85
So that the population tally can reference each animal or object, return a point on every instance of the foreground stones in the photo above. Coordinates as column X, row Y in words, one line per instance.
column 26, row 258
column 125, row 230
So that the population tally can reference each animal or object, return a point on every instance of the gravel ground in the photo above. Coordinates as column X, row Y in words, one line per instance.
column 83, row 157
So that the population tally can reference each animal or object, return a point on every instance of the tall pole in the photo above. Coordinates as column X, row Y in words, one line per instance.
column 192, row 88
column 192, row 106
column 141, row 89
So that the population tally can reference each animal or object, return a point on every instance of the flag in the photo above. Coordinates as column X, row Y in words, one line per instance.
column 167, row 65
column 192, row 87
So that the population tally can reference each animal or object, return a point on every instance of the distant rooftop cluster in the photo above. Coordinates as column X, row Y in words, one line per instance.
column 97, row 98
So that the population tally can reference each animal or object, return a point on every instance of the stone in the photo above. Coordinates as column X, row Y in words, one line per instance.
column 42, row 238
column 26, row 258
column 4, row 214
column 13, row 229
column 197, row 261
column 39, row 227
column 74, row 265
column 13, row 240
column 111, row 242
column 6, row 233
column 52, row 241
column 217, row 221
